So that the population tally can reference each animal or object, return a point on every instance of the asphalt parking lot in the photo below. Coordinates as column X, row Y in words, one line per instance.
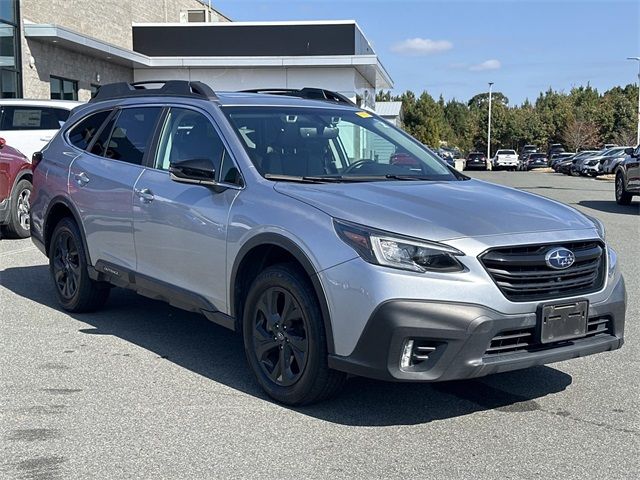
column 143, row 390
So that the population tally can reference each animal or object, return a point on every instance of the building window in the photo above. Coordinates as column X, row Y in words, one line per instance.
column 10, row 83
column 195, row 16
column 63, row 89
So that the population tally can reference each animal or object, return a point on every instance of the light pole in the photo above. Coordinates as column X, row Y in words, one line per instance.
column 638, row 60
column 489, row 126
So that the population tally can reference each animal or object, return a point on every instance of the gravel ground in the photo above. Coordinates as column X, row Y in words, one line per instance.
column 143, row 390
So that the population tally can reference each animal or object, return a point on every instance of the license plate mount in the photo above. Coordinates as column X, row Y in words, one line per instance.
column 564, row 321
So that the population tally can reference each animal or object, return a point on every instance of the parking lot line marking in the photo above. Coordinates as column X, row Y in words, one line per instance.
column 21, row 250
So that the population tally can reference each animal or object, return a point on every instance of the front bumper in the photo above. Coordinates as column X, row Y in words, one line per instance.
column 460, row 335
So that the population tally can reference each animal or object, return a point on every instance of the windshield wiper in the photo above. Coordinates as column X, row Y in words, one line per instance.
column 291, row 178
column 391, row 176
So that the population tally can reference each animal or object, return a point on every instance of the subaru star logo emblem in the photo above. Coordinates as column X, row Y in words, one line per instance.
column 559, row 258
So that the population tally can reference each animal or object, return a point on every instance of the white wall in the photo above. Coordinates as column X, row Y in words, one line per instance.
column 346, row 81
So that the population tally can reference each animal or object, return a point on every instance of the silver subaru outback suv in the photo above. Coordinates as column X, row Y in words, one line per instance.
column 333, row 241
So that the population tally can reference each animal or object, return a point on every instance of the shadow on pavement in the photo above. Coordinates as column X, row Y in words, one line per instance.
column 190, row 341
column 611, row 206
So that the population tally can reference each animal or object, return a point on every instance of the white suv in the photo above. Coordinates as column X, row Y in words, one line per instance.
column 28, row 125
column 505, row 159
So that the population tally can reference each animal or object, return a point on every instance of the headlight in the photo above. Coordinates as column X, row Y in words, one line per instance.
column 599, row 226
column 382, row 248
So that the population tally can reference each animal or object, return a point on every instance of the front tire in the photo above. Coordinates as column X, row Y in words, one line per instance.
column 284, row 338
column 622, row 196
column 19, row 221
column 68, row 266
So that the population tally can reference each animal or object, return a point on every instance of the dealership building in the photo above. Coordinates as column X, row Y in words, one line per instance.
column 66, row 49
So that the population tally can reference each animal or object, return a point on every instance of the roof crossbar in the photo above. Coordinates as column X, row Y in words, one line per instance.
column 180, row 88
column 307, row 93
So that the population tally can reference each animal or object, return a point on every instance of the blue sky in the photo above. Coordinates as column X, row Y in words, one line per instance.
column 455, row 47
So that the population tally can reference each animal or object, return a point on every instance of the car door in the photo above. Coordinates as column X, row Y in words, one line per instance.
column 181, row 229
column 633, row 171
column 101, row 182
column 29, row 128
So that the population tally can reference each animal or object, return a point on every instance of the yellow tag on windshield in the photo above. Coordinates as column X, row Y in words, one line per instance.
column 363, row 114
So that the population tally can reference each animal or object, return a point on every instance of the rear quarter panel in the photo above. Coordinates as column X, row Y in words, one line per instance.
column 50, row 180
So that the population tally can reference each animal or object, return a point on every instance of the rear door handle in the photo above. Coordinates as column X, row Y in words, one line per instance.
column 81, row 179
column 145, row 195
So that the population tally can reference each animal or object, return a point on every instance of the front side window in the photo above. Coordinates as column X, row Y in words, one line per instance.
column 81, row 135
column 333, row 144
column 32, row 118
column 189, row 135
column 131, row 134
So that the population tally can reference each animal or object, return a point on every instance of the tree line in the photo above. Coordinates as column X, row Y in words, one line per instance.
column 580, row 119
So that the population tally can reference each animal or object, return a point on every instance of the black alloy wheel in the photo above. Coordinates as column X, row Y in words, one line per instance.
column 75, row 290
column 285, row 341
column 66, row 265
column 280, row 341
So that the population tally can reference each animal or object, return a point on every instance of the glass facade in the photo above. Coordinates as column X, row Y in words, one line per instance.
column 10, row 64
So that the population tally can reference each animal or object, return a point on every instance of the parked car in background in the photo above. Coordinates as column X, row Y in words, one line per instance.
column 476, row 160
column 565, row 166
column 611, row 161
column 555, row 148
column 559, row 157
column 326, row 263
column 535, row 160
column 504, row 158
column 592, row 166
column 610, row 145
column 28, row 125
column 15, row 192
column 628, row 177
column 577, row 167
column 526, row 150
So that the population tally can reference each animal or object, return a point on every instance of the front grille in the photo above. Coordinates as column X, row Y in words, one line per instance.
column 598, row 325
column 522, row 273
column 524, row 339
column 511, row 341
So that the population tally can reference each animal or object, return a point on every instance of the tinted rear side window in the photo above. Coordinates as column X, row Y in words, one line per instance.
column 16, row 117
column 82, row 134
column 132, row 134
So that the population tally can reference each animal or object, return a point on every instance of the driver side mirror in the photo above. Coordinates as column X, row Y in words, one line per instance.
column 198, row 171
column 629, row 151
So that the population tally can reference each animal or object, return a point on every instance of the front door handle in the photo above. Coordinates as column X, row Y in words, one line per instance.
column 81, row 179
column 145, row 195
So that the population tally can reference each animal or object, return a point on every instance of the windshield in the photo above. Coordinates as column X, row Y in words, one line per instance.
column 329, row 144
column 537, row 155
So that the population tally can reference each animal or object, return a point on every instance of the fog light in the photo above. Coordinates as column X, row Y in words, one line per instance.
column 405, row 360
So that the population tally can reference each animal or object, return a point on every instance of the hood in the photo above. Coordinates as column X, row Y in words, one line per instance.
column 438, row 210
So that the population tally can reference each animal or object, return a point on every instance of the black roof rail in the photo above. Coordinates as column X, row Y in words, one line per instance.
column 175, row 88
column 307, row 93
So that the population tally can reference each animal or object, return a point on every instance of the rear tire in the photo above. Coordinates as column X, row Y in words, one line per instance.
column 69, row 271
column 19, row 221
column 622, row 196
column 284, row 338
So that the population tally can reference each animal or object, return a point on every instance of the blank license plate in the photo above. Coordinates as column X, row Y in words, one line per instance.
column 563, row 322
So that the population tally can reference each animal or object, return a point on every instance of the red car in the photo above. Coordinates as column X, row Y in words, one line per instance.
column 15, row 190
